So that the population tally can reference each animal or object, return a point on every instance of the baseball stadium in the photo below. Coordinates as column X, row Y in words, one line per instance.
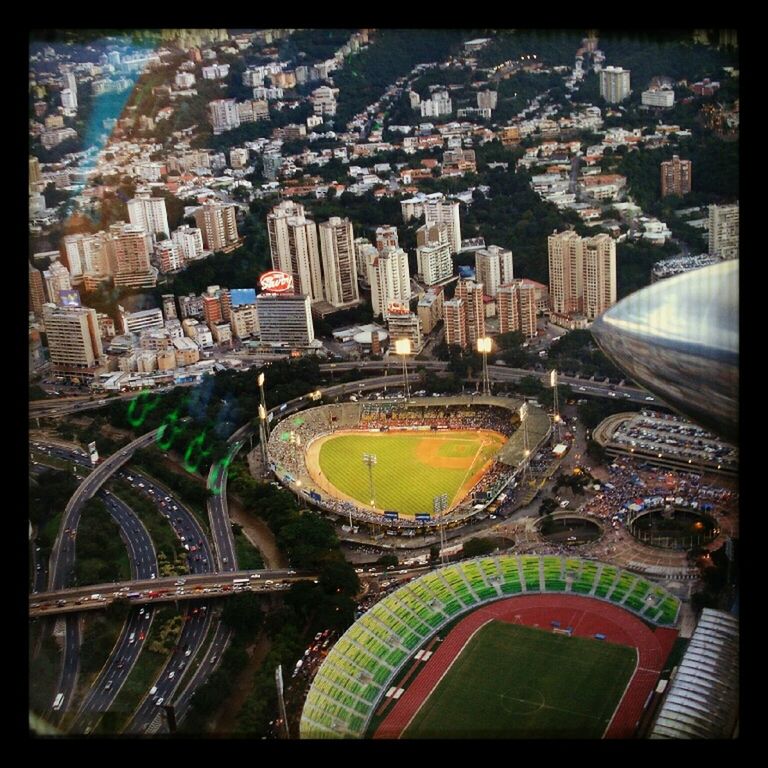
column 402, row 463
column 507, row 646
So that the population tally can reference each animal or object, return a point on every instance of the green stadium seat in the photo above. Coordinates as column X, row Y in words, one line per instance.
column 608, row 575
column 621, row 587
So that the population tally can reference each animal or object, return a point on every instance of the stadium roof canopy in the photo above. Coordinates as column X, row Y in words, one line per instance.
column 702, row 701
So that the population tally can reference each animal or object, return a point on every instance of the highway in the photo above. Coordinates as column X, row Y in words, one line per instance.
column 218, row 514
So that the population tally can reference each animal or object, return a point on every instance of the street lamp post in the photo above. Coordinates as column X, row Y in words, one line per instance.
column 263, row 434
column 484, row 346
column 260, row 382
column 370, row 460
column 403, row 348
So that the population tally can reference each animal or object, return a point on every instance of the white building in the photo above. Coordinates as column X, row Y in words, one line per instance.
column 189, row 241
column 74, row 341
column 614, row 84
column 170, row 257
column 445, row 212
column 215, row 72
column 337, row 252
column 149, row 213
column 389, row 278
column 184, row 80
column 493, row 267
column 224, row 115
column 662, row 97
column 724, row 231
column 68, row 100
column 238, row 157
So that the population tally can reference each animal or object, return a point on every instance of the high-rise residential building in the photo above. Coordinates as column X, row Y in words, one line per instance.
column 516, row 308
column 365, row 253
column 224, row 115
column 218, row 225
column 614, row 84
column 189, row 241
column 68, row 100
column 74, row 341
column 386, row 237
column 238, row 157
column 389, row 278
column 135, row 322
column 55, row 279
column 430, row 308
column 35, row 174
column 285, row 319
column 86, row 255
column 69, row 83
column 36, row 291
column 487, row 99
column 149, row 213
column 433, row 253
column 129, row 250
column 244, row 321
column 271, row 163
column 675, row 177
column 170, row 257
column 493, row 267
column 294, row 248
column 169, row 307
column 724, row 231
column 582, row 274
column 404, row 325
column 471, row 293
column 445, row 212
column 337, row 252
column 455, row 316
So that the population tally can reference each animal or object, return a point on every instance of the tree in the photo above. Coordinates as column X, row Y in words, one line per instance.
column 243, row 613
column 339, row 577
column 388, row 559
column 478, row 546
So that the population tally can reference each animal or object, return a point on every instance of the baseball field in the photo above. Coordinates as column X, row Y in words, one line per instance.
column 513, row 681
column 410, row 470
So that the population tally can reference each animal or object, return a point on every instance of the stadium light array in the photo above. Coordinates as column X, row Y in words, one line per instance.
column 484, row 346
column 403, row 348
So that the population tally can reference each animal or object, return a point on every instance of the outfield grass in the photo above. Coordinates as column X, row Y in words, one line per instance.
column 411, row 469
column 512, row 681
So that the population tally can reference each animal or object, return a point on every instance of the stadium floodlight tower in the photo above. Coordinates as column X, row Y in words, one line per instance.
column 403, row 348
column 263, row 434
column 369, row 459
column 555, row 403
column 260, row 382
column 526, row 447
column 439, row 505
column 484, row 346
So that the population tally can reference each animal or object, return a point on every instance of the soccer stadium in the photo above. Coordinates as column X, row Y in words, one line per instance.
column 507, row 646
column 400, row 462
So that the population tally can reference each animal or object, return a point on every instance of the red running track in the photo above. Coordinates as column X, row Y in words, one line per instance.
column 587, row 616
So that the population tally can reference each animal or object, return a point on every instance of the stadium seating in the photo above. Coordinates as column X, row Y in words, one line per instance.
column 369, row 657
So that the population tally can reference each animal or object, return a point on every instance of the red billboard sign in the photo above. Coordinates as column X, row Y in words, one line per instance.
column 276, row 282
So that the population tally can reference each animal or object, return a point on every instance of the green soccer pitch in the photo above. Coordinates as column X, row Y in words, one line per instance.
column 411, row 469
column 512, row 681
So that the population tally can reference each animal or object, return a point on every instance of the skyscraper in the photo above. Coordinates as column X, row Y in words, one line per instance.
column 149, row 213
column 294, row 248
column 445, row 212
column 582, row 274
column 74, row 342
column 471, row 293
column 338, row 257
column 724, row 231
column 455, row 316
column 516, row 308
column 36, row 291
column 218, row 225
column 55, row 279
column 69, row 82
column 189, row 241
column 285, row 319
column 675, row 177
column 493, row 267
column 389, row 279
column 614, row 84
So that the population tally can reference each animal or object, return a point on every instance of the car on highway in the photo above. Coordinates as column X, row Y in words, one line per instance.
column 649, row 398
column 159, row 702
column 171, row 675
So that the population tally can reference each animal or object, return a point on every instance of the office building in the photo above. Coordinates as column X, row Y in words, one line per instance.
column 516, row 308
column 74, row 341
column 293, row 246
column 218, row 225
column 445, row 212
column 285, row 320
column 149, row 213
column 129, row 250
column 389, row 279
column 430, row 308
column 189, row 241
column 493, row 267
column 224, row 115
column 675, row 177
column 614, row 84
column 337, row 252
column 724, row 231
column 582, row 274
column 471, row 293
